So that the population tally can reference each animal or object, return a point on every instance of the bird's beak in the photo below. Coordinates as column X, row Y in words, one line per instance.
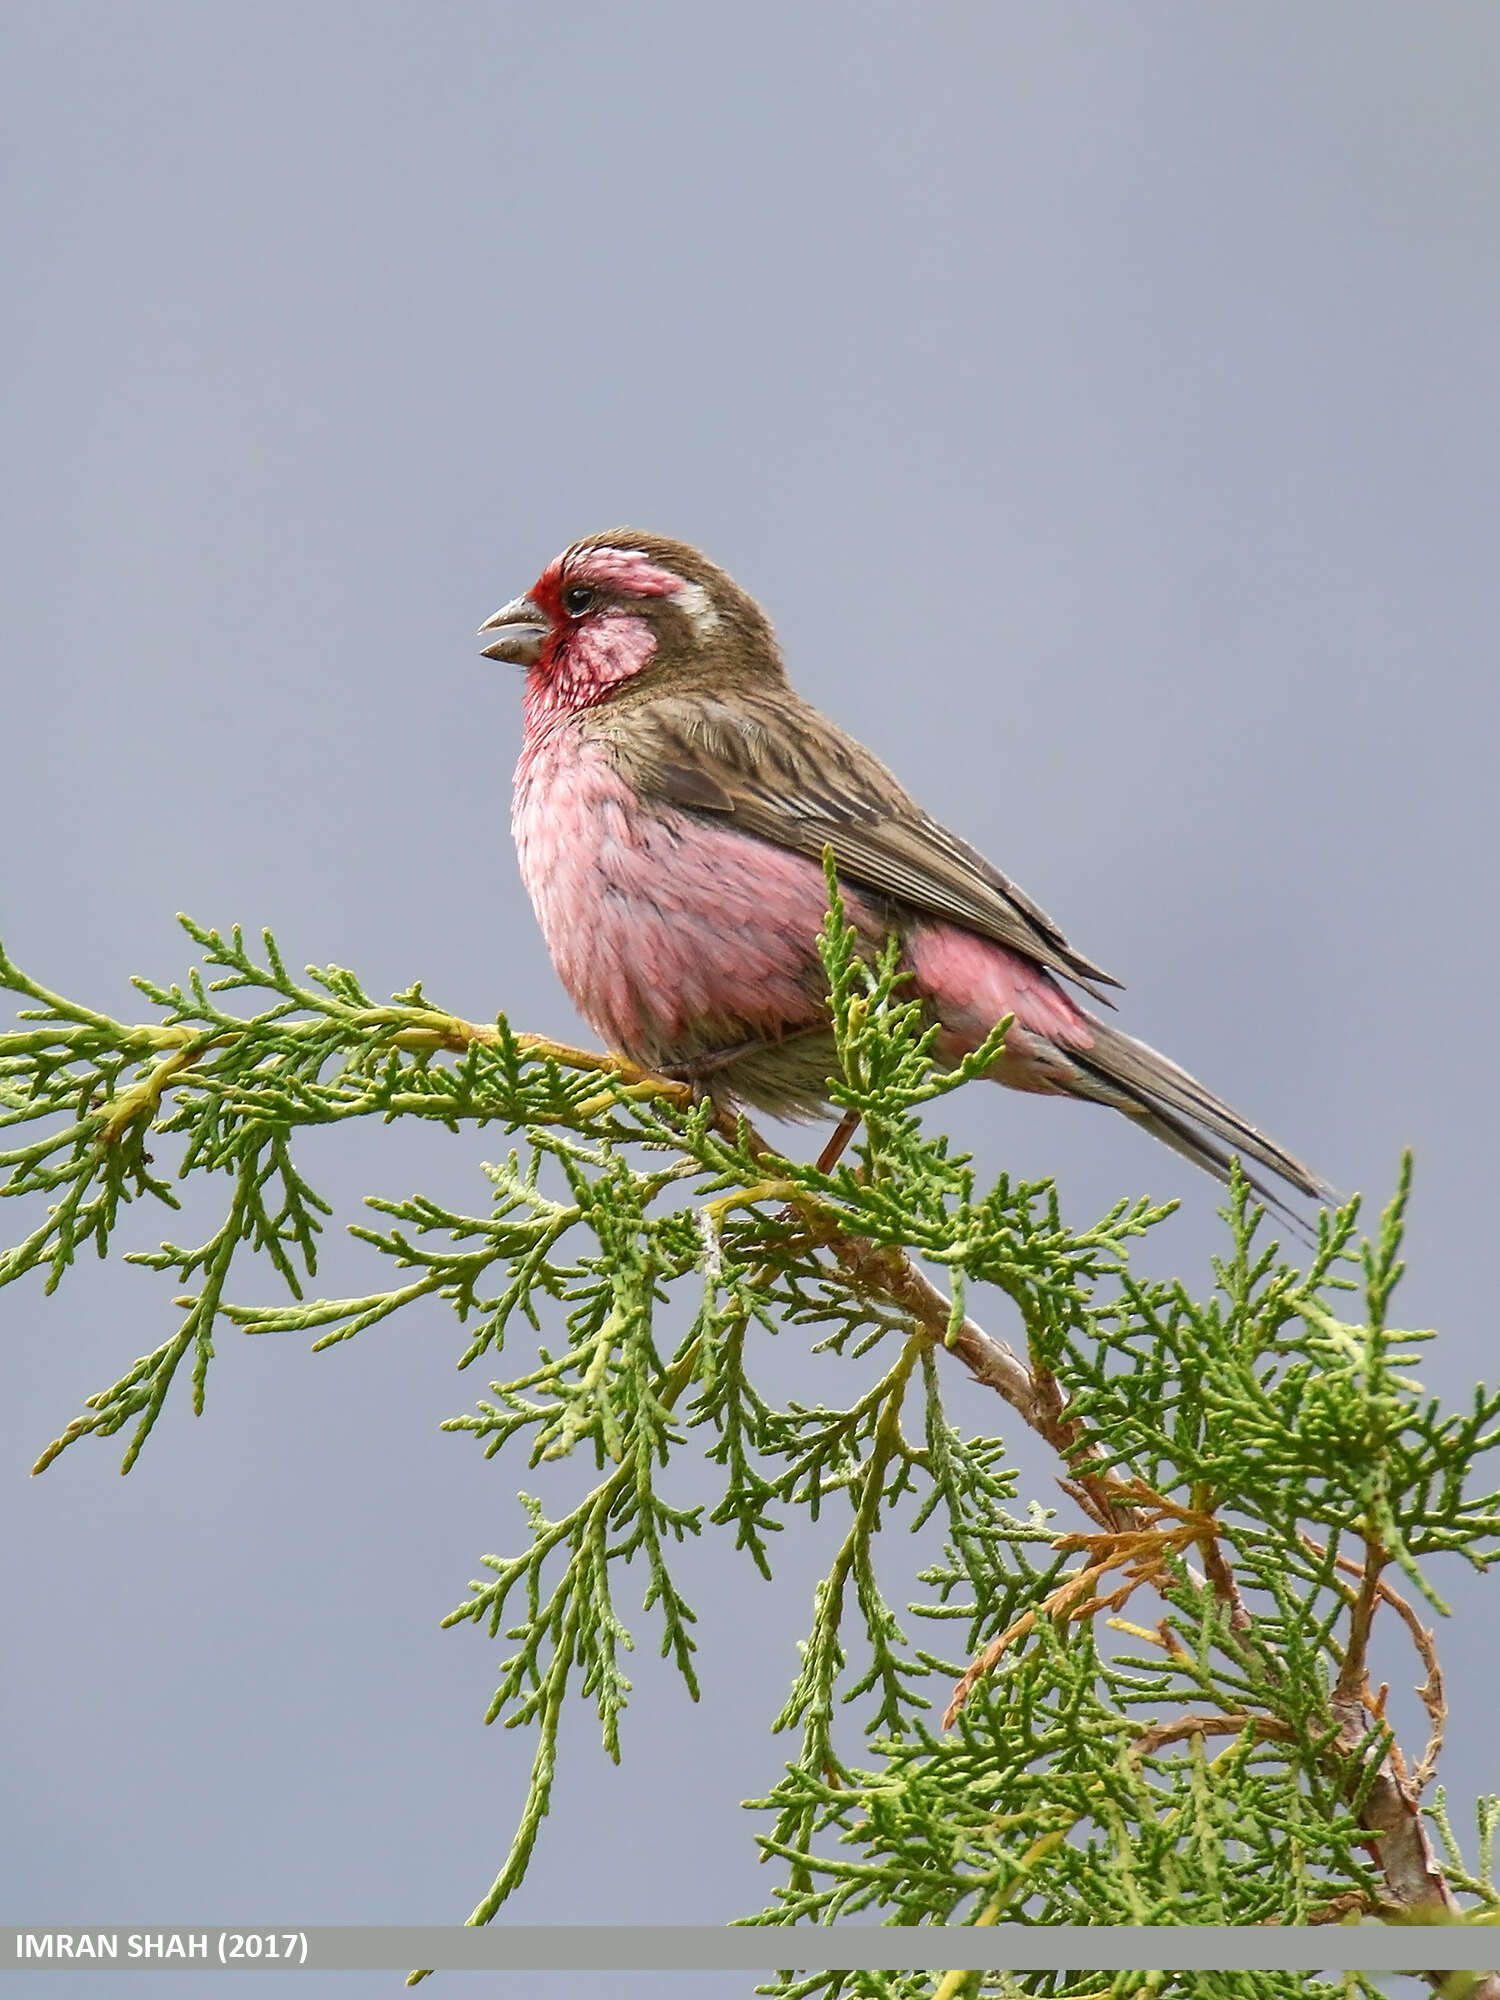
column 522, row 627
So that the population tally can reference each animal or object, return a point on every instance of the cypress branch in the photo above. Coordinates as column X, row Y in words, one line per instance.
column 1160, row 1712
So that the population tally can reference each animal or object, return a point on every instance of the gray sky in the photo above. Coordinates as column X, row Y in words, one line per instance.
column 1102, row 401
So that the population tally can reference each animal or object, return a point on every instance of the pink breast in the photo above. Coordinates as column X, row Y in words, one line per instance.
column 672, row 934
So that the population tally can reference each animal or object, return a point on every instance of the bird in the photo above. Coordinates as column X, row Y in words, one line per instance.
column 673, row 801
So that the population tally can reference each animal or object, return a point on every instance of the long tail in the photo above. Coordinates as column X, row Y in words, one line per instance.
column 1176, row 1109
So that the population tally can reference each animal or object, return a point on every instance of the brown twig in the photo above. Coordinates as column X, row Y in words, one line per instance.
column 1038, row 1401
column 838, row 1139
column 1216, row 1565
column 1430, row 1693
column 1401, row 1845
column 1349, row 1689
column 1267, row 1728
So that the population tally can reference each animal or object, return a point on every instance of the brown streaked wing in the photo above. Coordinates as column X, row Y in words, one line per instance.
column 782, row 771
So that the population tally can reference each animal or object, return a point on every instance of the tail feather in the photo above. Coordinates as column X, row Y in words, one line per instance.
column 1179, row 1111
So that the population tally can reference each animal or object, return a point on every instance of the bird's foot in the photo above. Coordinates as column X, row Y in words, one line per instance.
column 696, row 1070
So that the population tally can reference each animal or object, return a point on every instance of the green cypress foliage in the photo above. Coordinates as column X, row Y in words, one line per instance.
column 1157, row 1711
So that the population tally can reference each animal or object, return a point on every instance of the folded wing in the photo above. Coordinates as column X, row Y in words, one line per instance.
column 785, row 774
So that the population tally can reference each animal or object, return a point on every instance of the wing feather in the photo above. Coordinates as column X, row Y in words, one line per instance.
column 781, row 771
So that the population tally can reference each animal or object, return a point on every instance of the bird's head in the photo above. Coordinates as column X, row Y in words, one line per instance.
column 623, row 608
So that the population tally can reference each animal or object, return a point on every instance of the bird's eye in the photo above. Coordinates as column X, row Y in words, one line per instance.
column 577, row 599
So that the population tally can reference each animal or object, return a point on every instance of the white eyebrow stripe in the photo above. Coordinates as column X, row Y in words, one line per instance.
column 694, row 601
column 632, row 573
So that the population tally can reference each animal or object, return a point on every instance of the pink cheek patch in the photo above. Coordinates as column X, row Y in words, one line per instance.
column 606, row 651
column 581, row 668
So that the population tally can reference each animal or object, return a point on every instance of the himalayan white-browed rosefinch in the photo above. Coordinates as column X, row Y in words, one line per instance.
column 673, row 801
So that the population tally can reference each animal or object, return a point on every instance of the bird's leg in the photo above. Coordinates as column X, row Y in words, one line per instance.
column 838, row 1139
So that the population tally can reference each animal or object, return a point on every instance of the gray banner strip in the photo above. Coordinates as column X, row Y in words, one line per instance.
column 709, row 1948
